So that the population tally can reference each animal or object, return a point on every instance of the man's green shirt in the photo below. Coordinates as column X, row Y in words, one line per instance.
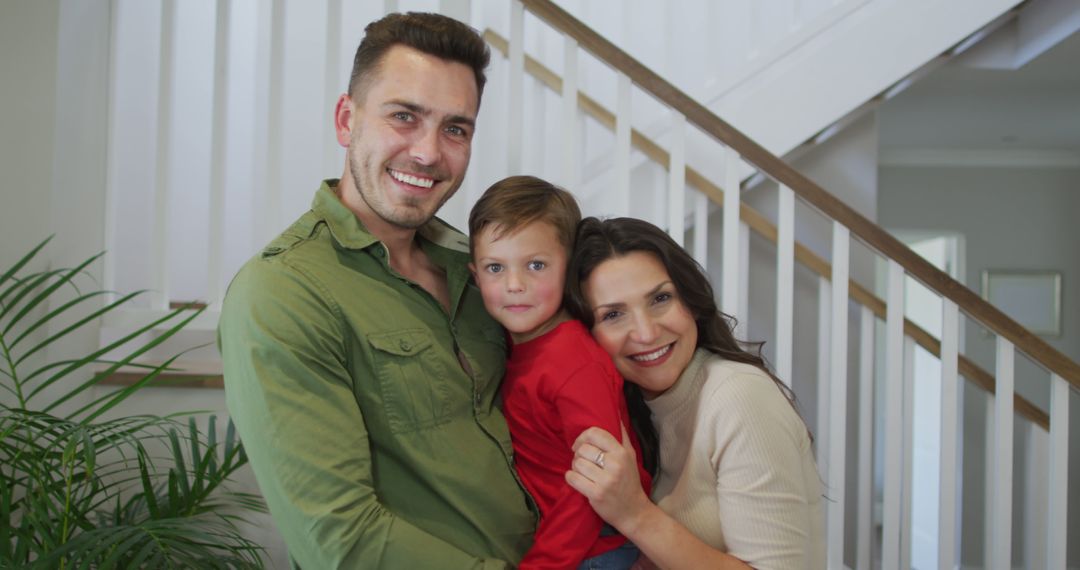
column 368, row 412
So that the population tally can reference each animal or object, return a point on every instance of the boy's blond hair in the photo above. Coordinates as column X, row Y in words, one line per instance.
column 517, row 201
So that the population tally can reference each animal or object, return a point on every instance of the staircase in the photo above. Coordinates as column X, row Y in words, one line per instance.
column 614, row 122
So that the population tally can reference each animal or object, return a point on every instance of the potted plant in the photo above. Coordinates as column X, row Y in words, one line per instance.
column 78, row 490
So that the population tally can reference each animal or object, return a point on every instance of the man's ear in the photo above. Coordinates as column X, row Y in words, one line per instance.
column 343, row 119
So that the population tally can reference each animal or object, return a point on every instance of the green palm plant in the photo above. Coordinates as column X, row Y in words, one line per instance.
column 81, row 491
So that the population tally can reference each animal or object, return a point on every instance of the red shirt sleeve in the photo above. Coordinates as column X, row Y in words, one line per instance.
column 570, row 528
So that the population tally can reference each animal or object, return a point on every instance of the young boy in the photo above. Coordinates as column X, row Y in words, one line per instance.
column 558, row 380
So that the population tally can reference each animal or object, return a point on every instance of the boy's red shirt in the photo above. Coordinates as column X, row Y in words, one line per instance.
column 556, row 386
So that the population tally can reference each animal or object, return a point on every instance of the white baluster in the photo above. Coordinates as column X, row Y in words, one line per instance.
column 742, row 314
column 112, row 176
column 841, row 244
column 332, row 160
column 266, row 136
column 894, row 421
column 988, row 481
column 701, row 229
column 536, row 143
column 909, row 452
column 571, row 169
column 785, row 282
column 515, row 124
column 677, row 179
column 623, row 113
column 1002, row 471
column 1058, row 491
column 162, row 160
column 729, row 295
column 823, row 330
column 951, row 416
column 864, row 517
column 1034, row 461
column 457, row 9
column 218, row 120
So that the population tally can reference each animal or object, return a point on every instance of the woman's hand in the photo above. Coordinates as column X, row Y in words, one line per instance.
column 613, row 487
column 605, row 471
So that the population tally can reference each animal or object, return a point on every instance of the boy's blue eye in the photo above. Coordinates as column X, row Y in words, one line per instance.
column 536, row 265
column 494, row 267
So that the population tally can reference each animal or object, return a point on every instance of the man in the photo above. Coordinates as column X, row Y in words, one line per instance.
column 361, row 368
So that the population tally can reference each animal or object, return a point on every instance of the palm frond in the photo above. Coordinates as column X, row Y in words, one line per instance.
column 11, row 271
column 80, row 491
column 42, row 296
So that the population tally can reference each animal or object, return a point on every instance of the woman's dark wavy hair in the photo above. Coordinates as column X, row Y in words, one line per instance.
column 599, row 240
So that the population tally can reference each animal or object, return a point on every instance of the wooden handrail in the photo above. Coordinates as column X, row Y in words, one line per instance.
column 870, row 233
column 760, row 224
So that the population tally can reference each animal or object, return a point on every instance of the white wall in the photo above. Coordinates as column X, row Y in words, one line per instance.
column 27, row 96
column 28, row 32
column 1011, row 218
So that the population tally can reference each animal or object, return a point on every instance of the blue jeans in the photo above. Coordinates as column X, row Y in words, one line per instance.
column 621, row 558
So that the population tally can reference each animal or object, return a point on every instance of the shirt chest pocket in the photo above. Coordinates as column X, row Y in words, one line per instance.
column 412, row 379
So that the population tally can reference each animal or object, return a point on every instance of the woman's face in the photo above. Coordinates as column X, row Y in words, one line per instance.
column 641, row 321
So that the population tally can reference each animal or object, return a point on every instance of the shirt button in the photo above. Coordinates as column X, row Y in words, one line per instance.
column 477, row 398
column 405, row 346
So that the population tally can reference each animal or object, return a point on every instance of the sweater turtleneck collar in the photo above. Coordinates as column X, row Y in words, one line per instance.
column 686, row 387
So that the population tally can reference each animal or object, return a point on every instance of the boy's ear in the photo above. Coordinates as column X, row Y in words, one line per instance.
column 472, row 269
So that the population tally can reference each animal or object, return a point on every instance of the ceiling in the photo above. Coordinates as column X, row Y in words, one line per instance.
column 958, row 107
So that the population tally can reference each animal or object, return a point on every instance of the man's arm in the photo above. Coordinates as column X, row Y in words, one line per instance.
column 290, row 394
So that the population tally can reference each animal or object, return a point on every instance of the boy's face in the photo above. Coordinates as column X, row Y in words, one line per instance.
column 521, row 277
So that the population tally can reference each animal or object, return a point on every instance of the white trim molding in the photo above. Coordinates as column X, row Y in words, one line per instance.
column 979, row 157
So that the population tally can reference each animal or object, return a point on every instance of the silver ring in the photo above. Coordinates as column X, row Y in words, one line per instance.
column 599, row 461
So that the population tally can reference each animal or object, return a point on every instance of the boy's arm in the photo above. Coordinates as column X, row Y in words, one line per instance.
column 291, row 398
column 565, row 534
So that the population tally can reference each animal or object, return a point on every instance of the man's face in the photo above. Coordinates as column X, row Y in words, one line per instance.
column 411, row 135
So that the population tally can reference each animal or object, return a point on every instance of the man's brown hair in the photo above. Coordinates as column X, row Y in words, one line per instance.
column 515, row 202
column 433, row 34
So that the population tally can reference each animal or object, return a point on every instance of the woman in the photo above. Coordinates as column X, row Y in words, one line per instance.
column 736, row 483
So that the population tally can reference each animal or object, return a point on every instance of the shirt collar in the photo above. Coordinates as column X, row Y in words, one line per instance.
column 350, row 233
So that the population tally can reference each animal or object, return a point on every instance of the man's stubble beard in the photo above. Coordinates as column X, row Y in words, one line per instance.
column 409, row 215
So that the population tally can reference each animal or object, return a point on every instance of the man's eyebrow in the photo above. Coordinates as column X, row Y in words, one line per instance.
column 461, row 120
column 409, row 105
column 425, row 112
